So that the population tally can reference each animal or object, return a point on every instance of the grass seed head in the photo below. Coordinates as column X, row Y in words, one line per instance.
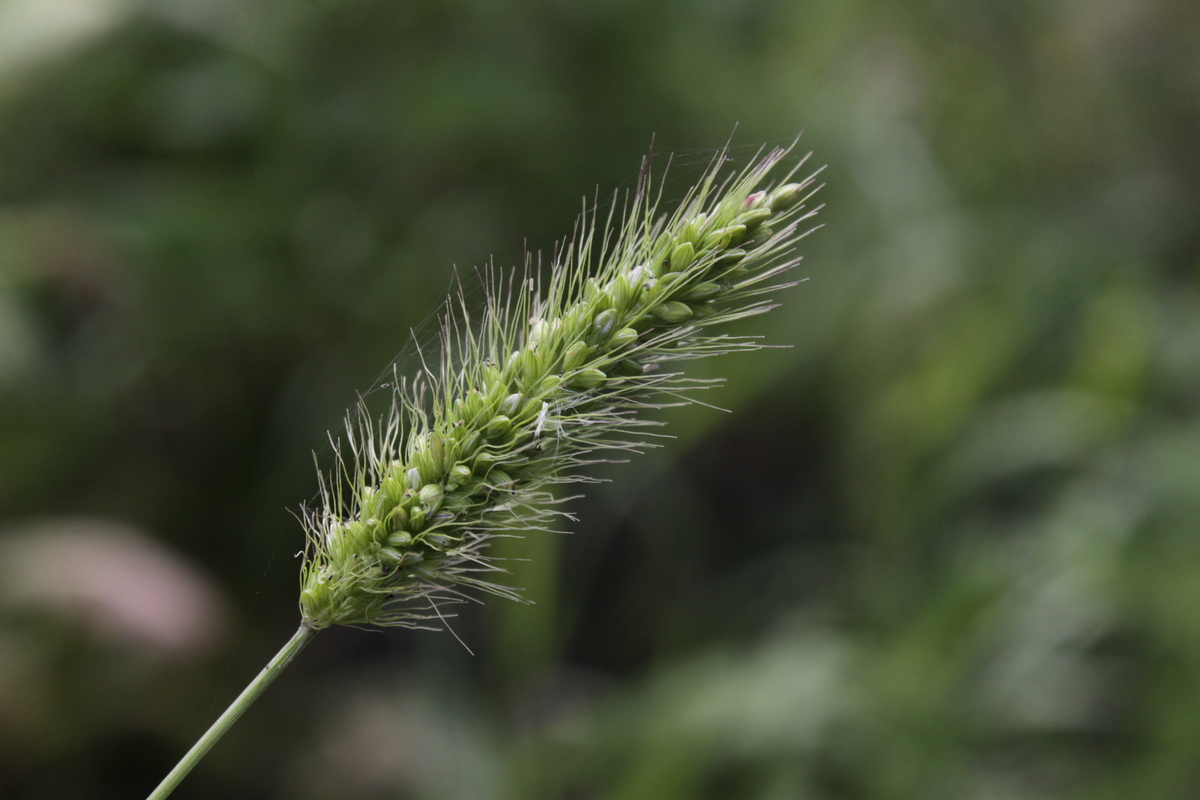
column 538, row 383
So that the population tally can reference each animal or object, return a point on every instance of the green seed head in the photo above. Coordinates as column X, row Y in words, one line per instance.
column 533, row 387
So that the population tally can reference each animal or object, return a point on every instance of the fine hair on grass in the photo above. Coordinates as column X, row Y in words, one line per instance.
column 553, row 373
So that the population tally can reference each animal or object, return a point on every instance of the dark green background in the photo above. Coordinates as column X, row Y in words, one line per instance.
column 946, row 545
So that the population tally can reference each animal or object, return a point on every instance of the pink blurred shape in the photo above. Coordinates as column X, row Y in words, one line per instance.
column 123, row 584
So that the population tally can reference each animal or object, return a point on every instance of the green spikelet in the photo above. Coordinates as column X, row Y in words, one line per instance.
column 533, row 386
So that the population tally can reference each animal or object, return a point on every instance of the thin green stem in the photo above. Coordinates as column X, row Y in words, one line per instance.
column 270, row 672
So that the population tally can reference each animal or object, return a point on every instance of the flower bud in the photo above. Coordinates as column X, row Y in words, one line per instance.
column 670, row 279
column 489, row 375
column 438, row 541
column 702, row 310
column 548, row 385
column 629, row 368
column 588, row 378
column 575, row 355
column 368, row 500
column 734, row 273
column 393, row 488
column 453, row 452
column 537, row 331
column 470, row 405
column 437, row 450
column 428, row 572
column 591, row 290
column 702, row 291
column 623, row 289
column 400, row 539
column 398, row 519
column 673, row 312
column 731, row 257
column 431, row 495
column 390, row 556
column 785, row 197
column 413, row 479
column 499, row 478
column 426, row 468
column 754, row 200
column 460, row 474
column 690, row 232
column 752, row 219
column 510, row 404
column 499, row 426
column 729, row 236
column 531, row 408
column 471, row 441
column 624, row 337
column 315, row 597
column 416, row 519
column 484, row 459
column 682, row 257
column 575, row 320
column 603, row 326
column 760, row 238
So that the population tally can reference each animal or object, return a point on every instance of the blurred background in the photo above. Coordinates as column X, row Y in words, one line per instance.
column 947, row 545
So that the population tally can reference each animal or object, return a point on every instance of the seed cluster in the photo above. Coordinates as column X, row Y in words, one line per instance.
column 533, row 390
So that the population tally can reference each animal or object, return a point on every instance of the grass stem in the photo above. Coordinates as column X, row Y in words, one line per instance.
column 269, row 673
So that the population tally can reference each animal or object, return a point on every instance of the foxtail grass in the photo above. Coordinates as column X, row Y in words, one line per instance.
column 555, row 372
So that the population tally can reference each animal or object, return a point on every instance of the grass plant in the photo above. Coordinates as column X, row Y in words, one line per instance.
column 554, row 373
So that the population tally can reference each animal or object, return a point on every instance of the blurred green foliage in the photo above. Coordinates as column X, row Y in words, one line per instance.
column 946, row 546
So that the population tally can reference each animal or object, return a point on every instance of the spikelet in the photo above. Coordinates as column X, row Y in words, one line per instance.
column 536, row 385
